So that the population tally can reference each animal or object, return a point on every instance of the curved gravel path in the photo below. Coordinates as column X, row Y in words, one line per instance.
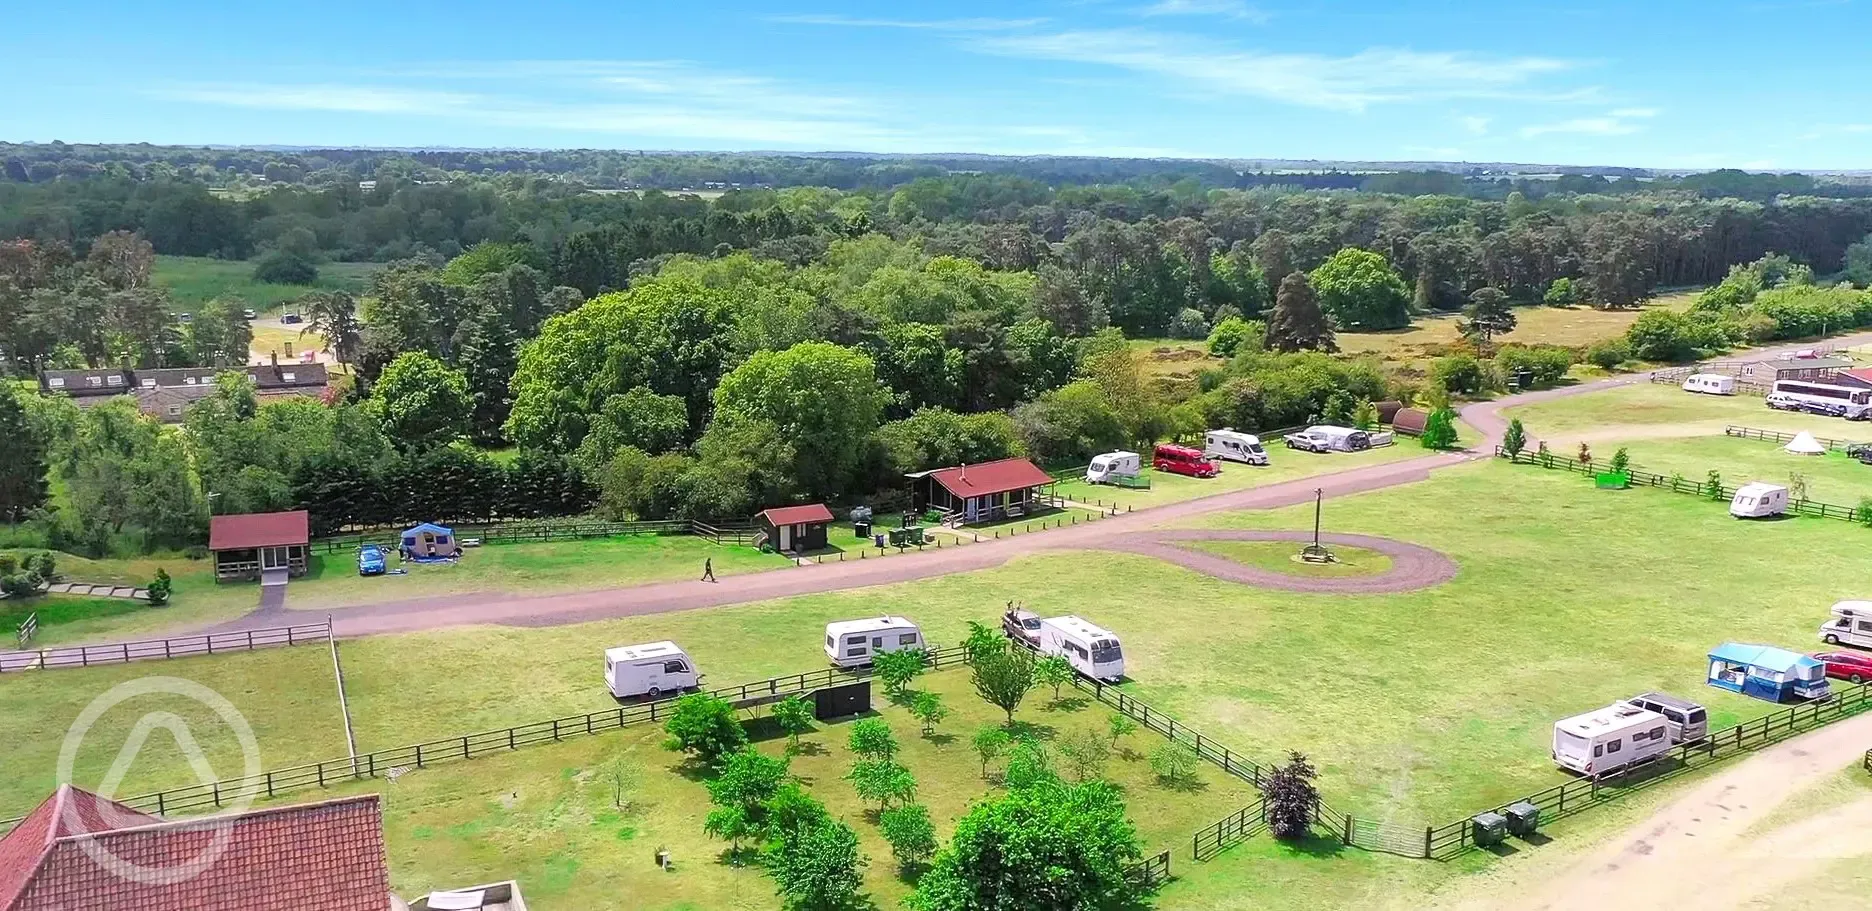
column 1413, row 566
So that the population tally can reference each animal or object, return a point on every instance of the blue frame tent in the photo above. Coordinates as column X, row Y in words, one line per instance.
column 1766, row 672
column 429, row 542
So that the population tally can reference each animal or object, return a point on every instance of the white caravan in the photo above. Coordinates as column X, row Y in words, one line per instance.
column 1851, row 625
column 1609, row 739
column 1235, row 446
column 1759, row 500
column 1710, row 384
column 1091, row 651
column 853, row 643
column 651, row 669
column 1108, row 468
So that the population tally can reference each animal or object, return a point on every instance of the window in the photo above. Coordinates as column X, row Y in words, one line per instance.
column 94, row 381
column 907, row 639
column 877, row 642
column 1674, row 715
column 287, row 377
column 1598, row 750
column 856, row 651
column 674, row 667
column 1865, row 626
column 1614, row 746
column 1657, row 733
column 854, row 640
column 175, row 410
column 829, row 643
column 189, row 380
column 113, row 380
column 1696, row 717
column 56, row 382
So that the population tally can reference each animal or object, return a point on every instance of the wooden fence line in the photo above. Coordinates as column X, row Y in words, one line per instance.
column 157, row 649
column 1776, row 436
column 1677, row 484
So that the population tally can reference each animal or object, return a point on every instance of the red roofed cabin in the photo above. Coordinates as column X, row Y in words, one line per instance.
column 985, row 492
column 79, row 850
column 263, row 545
column 791, row 529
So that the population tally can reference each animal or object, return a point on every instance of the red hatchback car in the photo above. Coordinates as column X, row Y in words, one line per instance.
column 1855, row 667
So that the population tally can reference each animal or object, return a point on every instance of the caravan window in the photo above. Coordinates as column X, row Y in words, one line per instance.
column 856, row 651
column 1612, row 746
column 1598, row 749
column 674, row 667
column 907, row 639
column 1657, row 733
column 1105, row 650
column 856, row 640
column 829, row 643
column 1075, row 649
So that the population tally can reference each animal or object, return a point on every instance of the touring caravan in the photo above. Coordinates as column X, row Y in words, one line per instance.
column 1606, row 740
column 1851, row 625
column 1235, row 446
column 1759, row 500
column 1109, row 467
column 649, row 670
column 854, row 643
column 1091, row 651
column 1710, row 384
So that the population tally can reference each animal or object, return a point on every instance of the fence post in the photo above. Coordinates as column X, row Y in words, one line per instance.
column 159, row 803
column 1348, row 825
column 1428, row 832
column 419, row 755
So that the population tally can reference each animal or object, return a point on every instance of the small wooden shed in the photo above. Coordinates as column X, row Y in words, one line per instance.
column 795, row 528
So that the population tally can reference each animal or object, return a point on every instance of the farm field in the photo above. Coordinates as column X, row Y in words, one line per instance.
column 1285, row 465
column 1575, row 326
column 548, row 815
column 195, row 280
column 1417, row 708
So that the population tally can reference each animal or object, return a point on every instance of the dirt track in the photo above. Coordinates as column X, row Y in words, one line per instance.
column 1412, row 566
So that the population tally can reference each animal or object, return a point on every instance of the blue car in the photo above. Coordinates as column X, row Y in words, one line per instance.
column 370, row 561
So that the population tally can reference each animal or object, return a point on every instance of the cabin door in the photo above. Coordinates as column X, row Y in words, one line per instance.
column 786, row 537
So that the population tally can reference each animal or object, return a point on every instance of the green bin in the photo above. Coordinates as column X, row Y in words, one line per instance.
column 1488, row 829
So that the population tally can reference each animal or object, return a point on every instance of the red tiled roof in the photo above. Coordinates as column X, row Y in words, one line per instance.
column 312, row 857
column 69, row 811
column 991, row 477
column 795, row 515
column 1863, row 373
column 260, row 529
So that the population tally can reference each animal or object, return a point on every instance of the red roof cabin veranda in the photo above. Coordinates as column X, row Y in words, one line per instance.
column 265, row 545
column 984, row 492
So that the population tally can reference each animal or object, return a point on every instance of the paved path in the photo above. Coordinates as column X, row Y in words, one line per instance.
column 1413, row 566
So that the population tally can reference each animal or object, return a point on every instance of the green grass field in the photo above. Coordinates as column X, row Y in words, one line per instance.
column 1417, row 708
column 1286, row 465
column 1656, row 410
column 1281, row 557
column 1831, row 478
column 195, row 280
column 196, row 599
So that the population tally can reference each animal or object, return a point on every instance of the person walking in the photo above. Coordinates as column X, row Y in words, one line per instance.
column 708, row 569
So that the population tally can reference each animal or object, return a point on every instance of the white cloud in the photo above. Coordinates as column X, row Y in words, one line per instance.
column 1349, row 83
column 939, row 25
column 1614, row 123
column 1475, row 125
column 1230, row 9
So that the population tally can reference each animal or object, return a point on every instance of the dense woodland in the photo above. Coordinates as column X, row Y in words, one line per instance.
column 655, row 355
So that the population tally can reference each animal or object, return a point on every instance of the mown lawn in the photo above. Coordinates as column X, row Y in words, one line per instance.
column 1831, row 478
column 549, row 815
column 331, row 580
column 196, row 600
column 1280, row 557
column 195, row 280
column 1657, row 409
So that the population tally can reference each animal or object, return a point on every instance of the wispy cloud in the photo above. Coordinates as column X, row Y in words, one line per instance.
column 938, row 25
column 1346, row 83
column 1228, row 9
column 1477, row 126
column 1618, row 122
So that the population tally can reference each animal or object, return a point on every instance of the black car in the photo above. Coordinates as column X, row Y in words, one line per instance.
column 1860, row 451
column 1824, row 409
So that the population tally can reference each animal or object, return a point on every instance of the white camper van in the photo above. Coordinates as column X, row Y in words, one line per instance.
column 1758, row 500
column 1091, row 651
column 1235, row 446
column 1851, row 625
column 1108, row 468
column 1710, row 384
column 853, row 643
column 1609, row 739
column 650, row 670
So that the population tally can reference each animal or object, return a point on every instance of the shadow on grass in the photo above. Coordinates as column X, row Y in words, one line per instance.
column 1313, row 845
column 1027, row 730
column 940, row 739
column 1189, row 785
column 1068, row 703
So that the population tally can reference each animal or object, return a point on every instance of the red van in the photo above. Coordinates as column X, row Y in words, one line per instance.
column 1183, row 460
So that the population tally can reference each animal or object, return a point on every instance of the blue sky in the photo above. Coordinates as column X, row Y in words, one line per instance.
column 1772, row 84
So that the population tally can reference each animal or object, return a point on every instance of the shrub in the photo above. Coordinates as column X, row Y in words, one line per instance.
column 284, row 267
column 1004, row 678
column 1515, row 439
column 1189, row 323
column 873, row 739
column 911, row 835
column 9, row 564
column 1607, row 355
column 1561, row 293
column 1458, row 373
column 817, row 866
column 159, row 587
column 1119, row 726
column 1548, row 363
column 1233, row 335
column 1863, row 515
column 1621, row 461
column 1439, row 430
column 1290, row 797
column 1661, row 335
column 705, row 727
column 42, row 564
column 1712, row 485
column 1174, row 763
column 794, row 716
column 1029, row 766
column 1365, row 416
column 19, row 585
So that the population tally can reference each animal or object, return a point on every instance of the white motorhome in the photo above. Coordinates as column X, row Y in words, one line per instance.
column 1609, row 739
column 1091, row 650
column 1759, row 500
column 1235, row 446
column 1710, row 384
column 1851, row 625
column 854, row 643
column 651, row 669
column 1109, row 467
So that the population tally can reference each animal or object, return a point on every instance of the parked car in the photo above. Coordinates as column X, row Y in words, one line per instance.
column 1824, row 409
column 1309, row 440
column 289, row 319
column 1782, row 402
column 247, row 314
column 370, row 561
column 1860, row 451
column 1022, row 625
column 1854, row 667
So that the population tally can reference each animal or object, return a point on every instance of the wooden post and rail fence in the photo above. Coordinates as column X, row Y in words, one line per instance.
column 159, row 649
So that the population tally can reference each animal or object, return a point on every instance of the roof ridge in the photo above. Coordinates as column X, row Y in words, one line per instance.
column 238, row 815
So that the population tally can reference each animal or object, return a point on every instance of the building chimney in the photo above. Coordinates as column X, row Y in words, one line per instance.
column 964, row 475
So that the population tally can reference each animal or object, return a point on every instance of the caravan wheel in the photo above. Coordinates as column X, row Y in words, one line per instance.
column 1830, row 639
column 654, row 692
